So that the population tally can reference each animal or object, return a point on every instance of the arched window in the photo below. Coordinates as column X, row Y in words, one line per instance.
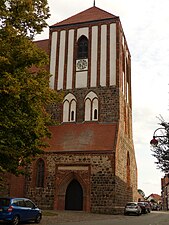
column 69, row 108
column 91, row 107
column 95, row 109
column 66, row 111
column 40, row 173
column 72, row 110
column 82, row 51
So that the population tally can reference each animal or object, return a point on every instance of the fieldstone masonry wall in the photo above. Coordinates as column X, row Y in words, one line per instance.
column 103, row 191
column 108, row 104
column 98, row 180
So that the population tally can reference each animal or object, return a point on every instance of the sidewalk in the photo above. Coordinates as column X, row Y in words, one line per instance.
column 74, row 216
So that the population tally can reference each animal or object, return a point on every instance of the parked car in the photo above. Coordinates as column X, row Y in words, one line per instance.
column 148, row 206
column 132, row 208
column 155, row 206
column 16, row 210
column 145, row 207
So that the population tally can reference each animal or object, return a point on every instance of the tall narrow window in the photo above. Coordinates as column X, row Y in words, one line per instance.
column 82, row 47
column 65, row 110
column 95, row 109
column 128, row 169
column 40, row 173
column 128, row 84
column 123, row 83
column 87, row 109
column 95, row 114
column 72, row 115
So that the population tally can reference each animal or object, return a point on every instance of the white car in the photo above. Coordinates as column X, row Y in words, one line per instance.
column 132, row 208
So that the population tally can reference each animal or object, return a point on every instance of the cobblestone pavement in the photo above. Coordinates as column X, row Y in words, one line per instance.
column 51, row 217
column 55, row 217
column 83, row 218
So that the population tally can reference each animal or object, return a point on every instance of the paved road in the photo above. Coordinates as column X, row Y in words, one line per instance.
column 82, row 218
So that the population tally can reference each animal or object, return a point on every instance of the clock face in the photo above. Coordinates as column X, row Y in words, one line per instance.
column 81, row 64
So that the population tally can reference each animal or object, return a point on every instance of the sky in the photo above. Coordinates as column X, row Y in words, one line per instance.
column 146, row 27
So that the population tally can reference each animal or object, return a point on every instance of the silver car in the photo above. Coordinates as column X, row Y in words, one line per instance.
column 132, row 208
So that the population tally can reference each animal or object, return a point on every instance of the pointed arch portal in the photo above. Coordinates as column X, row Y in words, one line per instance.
column 74, row 196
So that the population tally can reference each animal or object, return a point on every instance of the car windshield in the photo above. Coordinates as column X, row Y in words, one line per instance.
column 4, row 202
column 131, row 204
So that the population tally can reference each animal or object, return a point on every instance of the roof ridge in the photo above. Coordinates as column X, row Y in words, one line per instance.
column 93, row 13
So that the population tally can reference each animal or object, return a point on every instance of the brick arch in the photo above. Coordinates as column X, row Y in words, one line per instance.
column 34, row 172
column 74, row 196
column 40, row 173
column 59, row 203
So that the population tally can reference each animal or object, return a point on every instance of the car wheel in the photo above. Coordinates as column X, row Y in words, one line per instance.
column 38, row 218
column 15, row 220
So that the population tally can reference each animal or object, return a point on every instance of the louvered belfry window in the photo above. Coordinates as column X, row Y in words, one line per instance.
column 82, row 47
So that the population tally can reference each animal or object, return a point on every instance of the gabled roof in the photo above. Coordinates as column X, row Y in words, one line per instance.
column 43, row 44
column 92, row 14
column 154, row 196
column 82, row 137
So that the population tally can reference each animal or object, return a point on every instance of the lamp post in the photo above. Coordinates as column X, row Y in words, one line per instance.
column 154, row 141
column 160, row 144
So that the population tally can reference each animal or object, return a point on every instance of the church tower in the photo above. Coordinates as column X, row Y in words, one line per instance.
column 90, row 162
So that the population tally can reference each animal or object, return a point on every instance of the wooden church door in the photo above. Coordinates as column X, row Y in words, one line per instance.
column 74, row 196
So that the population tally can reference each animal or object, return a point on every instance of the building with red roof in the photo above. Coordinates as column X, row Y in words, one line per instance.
column 90, row 162
column 165, row 192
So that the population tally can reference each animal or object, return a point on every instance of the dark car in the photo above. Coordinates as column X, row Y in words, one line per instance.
column 16, row 210
column 155, row 206
column 145, row 207
column 148, row 206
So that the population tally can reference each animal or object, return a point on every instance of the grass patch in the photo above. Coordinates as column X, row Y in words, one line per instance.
column 49, row 213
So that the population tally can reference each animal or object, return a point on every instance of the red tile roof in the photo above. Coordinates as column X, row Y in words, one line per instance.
column 155, row 197
column 82, row 137
column 92, row 14
column 43, row 44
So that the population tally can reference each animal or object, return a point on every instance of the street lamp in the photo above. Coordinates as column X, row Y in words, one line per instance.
column 154, row 141
column 160, row 148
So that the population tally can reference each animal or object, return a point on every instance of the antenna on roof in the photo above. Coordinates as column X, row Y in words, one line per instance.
column 94, row 3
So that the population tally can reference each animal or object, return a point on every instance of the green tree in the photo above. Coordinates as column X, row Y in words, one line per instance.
column 24, row 92
column 141, row 193
column 160, row 146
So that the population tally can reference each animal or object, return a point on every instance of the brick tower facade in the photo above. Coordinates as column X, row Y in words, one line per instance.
column 90, row 162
